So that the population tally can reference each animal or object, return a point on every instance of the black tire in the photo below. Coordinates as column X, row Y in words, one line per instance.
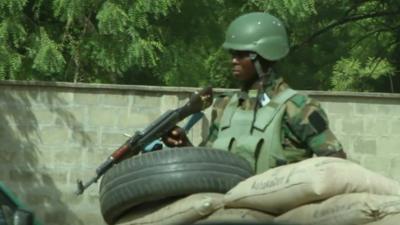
column 168, row 173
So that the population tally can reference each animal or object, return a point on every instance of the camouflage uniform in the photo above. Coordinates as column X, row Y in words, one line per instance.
column 304, row 125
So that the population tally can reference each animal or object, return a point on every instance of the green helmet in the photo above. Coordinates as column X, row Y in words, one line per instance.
column 258, row 32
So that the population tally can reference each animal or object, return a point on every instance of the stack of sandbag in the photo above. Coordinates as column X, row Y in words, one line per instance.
column 388, row 220
column 182, row 211
column 237, row 216
column 346, row 209
column 323, row 188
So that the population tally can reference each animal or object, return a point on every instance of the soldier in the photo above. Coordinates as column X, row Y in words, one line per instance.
column 266, row 122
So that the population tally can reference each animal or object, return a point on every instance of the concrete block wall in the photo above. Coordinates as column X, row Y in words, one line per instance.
column 55, row 133
column 368, row 126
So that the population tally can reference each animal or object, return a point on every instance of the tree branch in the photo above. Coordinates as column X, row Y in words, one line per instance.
column 367, row 35
column 341, row 22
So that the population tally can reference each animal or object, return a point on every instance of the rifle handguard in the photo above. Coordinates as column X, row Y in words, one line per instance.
column 198, row 102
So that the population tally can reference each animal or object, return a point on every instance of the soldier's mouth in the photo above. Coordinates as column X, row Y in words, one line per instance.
column 235, row 71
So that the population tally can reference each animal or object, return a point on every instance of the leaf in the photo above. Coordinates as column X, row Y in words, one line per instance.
column 48, row 58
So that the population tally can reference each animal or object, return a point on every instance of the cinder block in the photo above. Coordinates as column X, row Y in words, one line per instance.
column 395, row 126
column 93, row 218
column 388, row 110
column 71, row 156
column 47, row 156
column 114, row 99
column 342, row 108
column 388, row 145
column 85, row 138
column 57, row 175
column 395, row 168
column 37, row 198
column 96, row 156
column 376, row 126
column 54, row 135
column 92, row 197
column 43, row 115
column 21, row 115
column 72, row 199
column 346, row 141
column 168, row 102
column 365, row 146
column 133, row 120
column 86, row 99
column 18, row 175
column 365, row 108
column 11, row 155
column 73, row 115
column 353, row 126
column 336, row 123
column 149, row 100
column 60, row 213
column 356, row 158
column 55, row 97
column 377, row 164
column 19, row 96
column 104, row 116
column 113, row 139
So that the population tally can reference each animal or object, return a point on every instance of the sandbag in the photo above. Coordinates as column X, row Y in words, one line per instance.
column 238, row 216
column 283, row 188
column 183, row 211
column 388, row 220
column 346, row 209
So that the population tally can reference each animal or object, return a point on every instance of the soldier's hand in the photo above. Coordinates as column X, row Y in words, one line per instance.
column 176, row 137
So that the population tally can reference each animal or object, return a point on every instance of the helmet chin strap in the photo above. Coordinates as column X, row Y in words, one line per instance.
column 261, row 73
column 262, row 78
column 259, row 69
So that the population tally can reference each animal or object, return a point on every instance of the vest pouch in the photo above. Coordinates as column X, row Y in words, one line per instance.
column 223, row 143
column 265, row 115
column 248, row 147
column 228, row 113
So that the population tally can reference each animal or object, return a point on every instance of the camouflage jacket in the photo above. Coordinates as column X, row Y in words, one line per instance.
column 304, row 126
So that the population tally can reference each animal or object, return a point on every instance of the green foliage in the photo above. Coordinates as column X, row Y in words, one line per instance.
column 11, row 7
column 287, row 8
column 48, row 59
column 112, row 19
column 353, row 75
column 340, row 45
column 343, row 45
column 218, row 65
column 69, row 10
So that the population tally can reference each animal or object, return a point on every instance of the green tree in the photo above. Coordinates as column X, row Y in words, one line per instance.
column 79, row 40
column 338, row 44
column 353, row 46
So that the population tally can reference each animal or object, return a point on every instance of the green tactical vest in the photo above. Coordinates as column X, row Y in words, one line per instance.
column 263, row 148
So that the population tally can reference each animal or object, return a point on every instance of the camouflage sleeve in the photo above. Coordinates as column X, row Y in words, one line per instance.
column 217, row 109
column 309, row 126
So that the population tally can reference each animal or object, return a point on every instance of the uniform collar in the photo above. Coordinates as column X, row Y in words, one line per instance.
column 274, row 85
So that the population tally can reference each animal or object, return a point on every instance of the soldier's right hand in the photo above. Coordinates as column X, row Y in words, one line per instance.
column 176, row 137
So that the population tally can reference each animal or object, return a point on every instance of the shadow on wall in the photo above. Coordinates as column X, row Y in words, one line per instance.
column 27, row 169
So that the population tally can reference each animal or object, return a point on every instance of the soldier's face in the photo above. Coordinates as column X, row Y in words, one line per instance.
column 242, row 66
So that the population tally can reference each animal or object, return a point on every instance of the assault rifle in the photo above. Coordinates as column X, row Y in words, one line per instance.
column 136, row 144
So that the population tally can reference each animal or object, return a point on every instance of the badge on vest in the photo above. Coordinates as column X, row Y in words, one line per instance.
column 264, row 99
